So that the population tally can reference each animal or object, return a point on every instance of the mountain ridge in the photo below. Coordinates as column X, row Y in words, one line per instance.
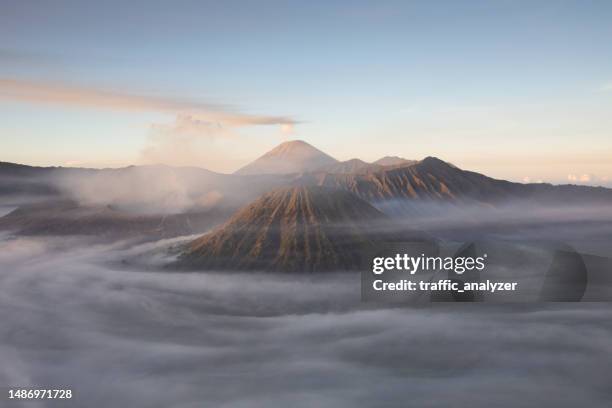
column 393, row 161
column 395, row 188
column 351, row 166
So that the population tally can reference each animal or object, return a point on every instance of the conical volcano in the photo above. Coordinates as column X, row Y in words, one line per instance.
column 295, row 156
column 300, row 229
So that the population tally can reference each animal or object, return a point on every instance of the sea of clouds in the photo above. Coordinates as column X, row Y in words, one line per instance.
column 72, row 318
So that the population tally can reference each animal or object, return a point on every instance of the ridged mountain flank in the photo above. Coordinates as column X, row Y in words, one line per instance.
column 295, row 156
column 430, row 179
column 300, row 229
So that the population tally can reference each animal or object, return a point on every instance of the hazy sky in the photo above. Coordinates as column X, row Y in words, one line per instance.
column 513, row 89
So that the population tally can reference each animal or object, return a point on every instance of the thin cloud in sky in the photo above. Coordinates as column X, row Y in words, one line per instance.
column 68, row 95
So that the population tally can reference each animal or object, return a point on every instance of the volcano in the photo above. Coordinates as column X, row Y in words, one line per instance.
column 295, row 156
column 300, row 229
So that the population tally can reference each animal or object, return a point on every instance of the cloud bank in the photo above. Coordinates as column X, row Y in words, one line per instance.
column 149, row 339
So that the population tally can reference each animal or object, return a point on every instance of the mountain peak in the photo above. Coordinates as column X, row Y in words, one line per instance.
column 356, row 161
column 291, row 230
column 295, row 156
column 295, row 143
column 293, row 147
column 431, row 160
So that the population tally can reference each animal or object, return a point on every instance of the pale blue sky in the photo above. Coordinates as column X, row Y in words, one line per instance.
column 513, row 89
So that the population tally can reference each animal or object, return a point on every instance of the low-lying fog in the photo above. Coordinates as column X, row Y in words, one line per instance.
column 138, row 338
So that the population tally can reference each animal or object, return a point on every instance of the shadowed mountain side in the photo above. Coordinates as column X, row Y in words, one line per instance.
column 69, row 218
column 432, row 181
column 302, row 229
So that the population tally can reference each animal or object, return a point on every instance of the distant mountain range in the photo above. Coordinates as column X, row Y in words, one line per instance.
column 352, row 166
column 297, row 156
column 110, row 199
